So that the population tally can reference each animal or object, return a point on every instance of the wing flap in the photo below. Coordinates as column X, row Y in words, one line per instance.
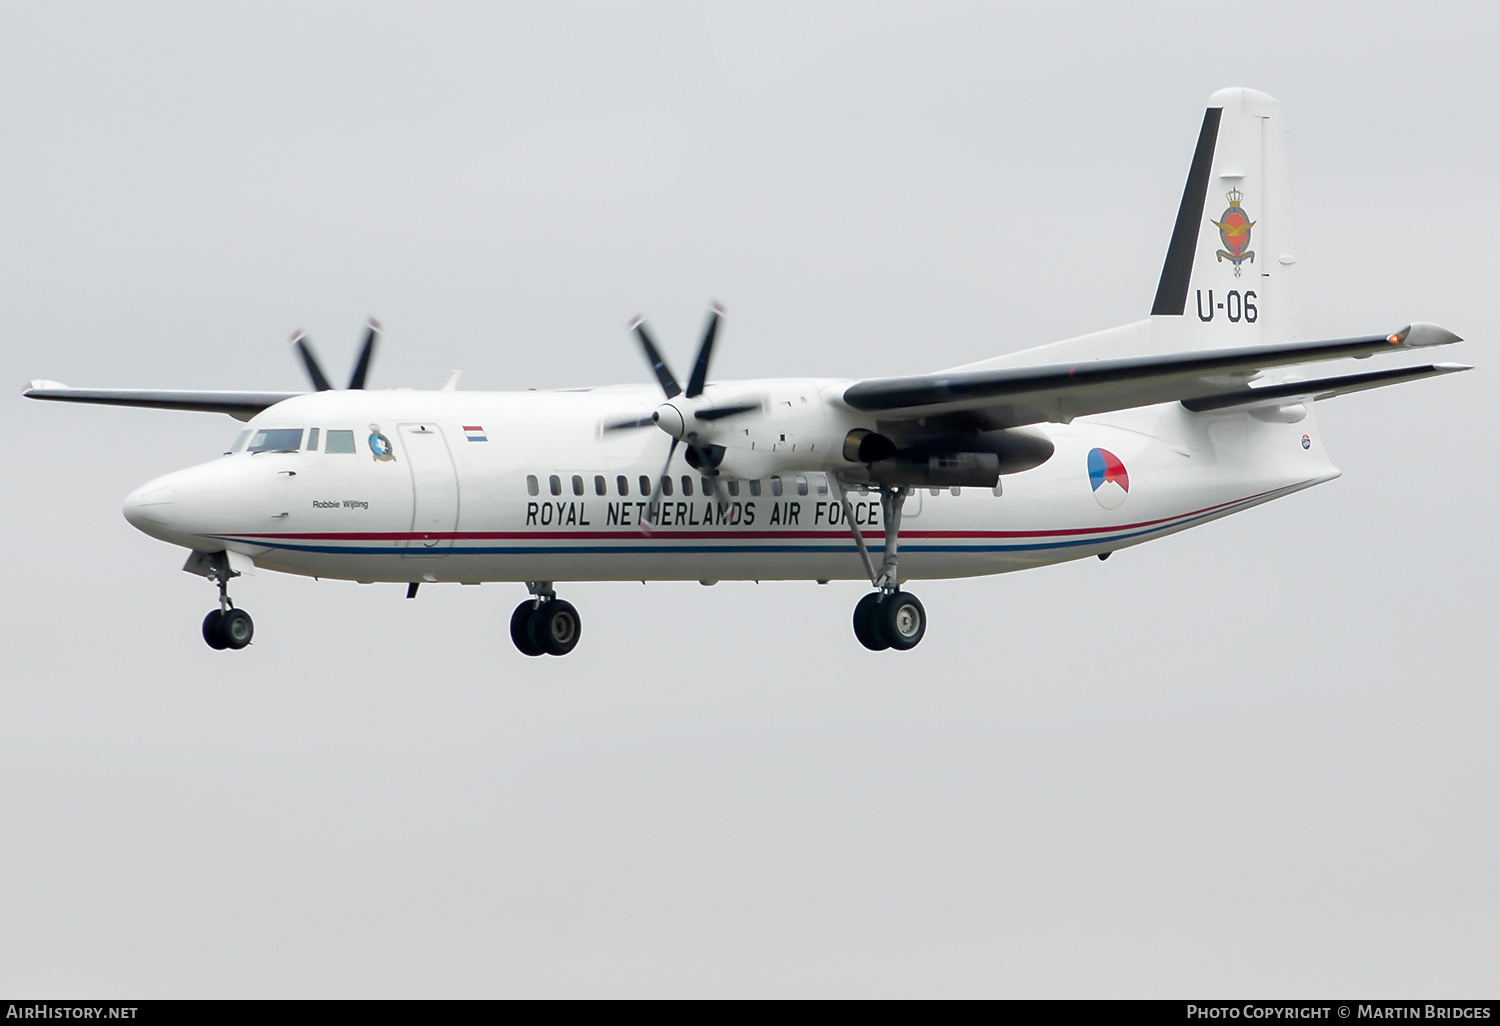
column 1320, row 388
column 1012, row 397
column 239, row 405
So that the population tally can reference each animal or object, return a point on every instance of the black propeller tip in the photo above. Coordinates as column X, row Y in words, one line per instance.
column 366, row 352
column 314, row 369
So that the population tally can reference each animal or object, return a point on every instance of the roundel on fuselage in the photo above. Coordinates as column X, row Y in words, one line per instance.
column 1108, row 478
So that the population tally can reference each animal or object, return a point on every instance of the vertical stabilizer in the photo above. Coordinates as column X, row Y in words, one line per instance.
column 1229, row 278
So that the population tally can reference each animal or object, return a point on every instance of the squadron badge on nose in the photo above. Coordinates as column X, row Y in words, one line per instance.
column 381, row 445
column 1234, row 232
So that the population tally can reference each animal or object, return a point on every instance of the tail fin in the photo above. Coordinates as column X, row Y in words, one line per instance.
column 1230, row 274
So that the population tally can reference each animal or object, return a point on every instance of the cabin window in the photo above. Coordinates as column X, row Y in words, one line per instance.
column 239, row 442
column 956, row 490
column 687, row 485
column 600, row 488
column 532, row 488
column 277, row 440
column 755, row 487
column 934, row 491
column 555, row 483
column 622, row 485
column 775, row 484
column 577, row 484
column 822, row 484
column 708, row 486
column 312, row 440
column 343, row 441
column 645, row 486
column 733, row 486
column 801, row 484
column 666, row 485
column 999, row 490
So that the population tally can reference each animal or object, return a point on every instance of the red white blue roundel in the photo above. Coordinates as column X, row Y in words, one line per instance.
column 1108, row 478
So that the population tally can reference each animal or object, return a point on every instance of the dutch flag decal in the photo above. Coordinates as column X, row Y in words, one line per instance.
column 474, row 434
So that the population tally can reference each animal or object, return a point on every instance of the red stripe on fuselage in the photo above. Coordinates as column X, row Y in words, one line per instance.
column 669, row 534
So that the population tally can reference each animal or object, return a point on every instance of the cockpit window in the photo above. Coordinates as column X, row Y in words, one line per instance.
column 239, row 442
column 340, row 441
column 276, row 440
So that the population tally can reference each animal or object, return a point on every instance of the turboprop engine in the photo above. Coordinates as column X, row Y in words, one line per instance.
column 802, row 424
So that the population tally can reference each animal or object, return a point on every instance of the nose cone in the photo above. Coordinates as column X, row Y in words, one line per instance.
column 149, row 508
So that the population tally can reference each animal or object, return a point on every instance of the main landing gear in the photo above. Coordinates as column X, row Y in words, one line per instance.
column 545, row 624
column 227, row 626
column 895, row 620
column 887, row 617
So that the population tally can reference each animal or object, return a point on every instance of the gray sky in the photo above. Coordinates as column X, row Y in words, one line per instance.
column 1257, row 758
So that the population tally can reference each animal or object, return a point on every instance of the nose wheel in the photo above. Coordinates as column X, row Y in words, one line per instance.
column 231, row 628
column 227, row 626
column 545, row 624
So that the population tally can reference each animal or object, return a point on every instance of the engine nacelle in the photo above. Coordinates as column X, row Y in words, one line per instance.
column 804, row 425
column 960, row 469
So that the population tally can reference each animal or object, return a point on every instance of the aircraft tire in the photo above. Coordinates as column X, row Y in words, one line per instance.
column 866, row 629
column 901, row 620
column 518, row 632
column 235, row 629
column 211, row 629
column 554, row 627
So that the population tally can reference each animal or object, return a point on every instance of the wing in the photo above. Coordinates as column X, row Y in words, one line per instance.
column 239, row 405
column 1011, row 397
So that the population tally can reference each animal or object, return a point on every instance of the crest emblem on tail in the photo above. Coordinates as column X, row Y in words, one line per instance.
column 1234, row 232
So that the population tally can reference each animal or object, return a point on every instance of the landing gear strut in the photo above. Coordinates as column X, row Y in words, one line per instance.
column 227, row 626
column 545, row 624
column 887, row 617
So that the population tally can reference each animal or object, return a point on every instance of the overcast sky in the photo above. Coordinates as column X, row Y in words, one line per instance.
column 1257, row 758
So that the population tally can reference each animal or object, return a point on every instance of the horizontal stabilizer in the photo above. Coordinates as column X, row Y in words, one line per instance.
column 1015, row 396
column 239, row 405
column 1321, row 388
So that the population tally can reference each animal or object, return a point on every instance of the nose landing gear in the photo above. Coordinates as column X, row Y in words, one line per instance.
column 546, row 624
column 227, row 626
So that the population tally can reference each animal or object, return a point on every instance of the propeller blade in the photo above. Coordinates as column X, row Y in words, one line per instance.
column 656, row 492
column 705, row 351
column 653, row 356
column 624, row 425
column 705, row 465
column 314, row 369
column 362, row 367
column 720, row 412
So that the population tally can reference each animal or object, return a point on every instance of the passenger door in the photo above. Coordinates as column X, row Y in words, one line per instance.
column 434, row 486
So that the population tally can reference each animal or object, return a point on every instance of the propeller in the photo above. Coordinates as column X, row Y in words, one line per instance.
column 678, row 419
column 303, row 345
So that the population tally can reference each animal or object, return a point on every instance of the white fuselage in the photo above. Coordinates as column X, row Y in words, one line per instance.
column 524, row 486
